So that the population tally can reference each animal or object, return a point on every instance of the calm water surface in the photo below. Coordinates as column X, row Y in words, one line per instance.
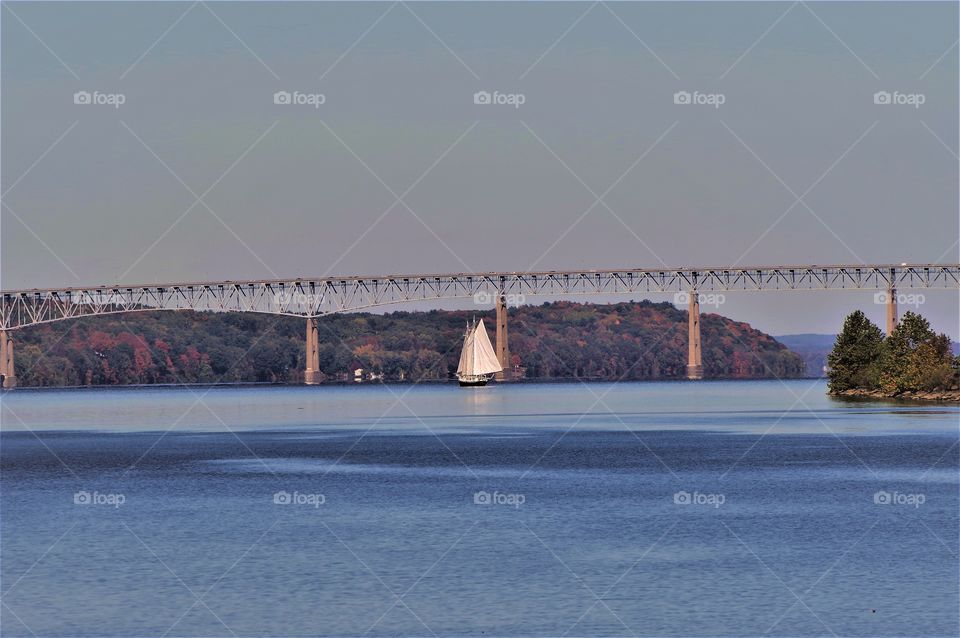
column 636, row 509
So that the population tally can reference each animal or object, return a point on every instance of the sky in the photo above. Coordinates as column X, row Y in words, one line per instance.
column 188, row 163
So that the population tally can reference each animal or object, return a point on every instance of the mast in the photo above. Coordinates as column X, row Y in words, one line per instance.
column 465, row 368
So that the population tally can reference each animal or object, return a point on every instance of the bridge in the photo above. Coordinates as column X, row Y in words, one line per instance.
column 317, row 297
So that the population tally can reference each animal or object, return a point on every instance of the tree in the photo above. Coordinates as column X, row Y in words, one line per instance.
column 916, row 358
column 853, row 362
column 893, row 362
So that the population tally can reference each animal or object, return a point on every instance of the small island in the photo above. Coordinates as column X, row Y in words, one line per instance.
column 912, row 362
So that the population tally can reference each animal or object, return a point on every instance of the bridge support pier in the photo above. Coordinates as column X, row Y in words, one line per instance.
column 891, row 310
column 6, row 360
column 312, row 374
column 503, row 345
column 694, row 360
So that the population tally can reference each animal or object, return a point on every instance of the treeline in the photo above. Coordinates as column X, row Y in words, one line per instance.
column 913, row 358
column 642, row 340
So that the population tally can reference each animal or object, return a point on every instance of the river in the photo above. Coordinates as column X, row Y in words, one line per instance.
column 724, row 508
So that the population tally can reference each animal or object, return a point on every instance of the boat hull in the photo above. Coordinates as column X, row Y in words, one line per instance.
column 473, row 381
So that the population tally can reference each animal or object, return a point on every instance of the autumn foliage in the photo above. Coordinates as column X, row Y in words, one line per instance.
column 641, row 340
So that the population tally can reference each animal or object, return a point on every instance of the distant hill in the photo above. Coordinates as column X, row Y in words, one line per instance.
column 812, row 348
column 561, row 340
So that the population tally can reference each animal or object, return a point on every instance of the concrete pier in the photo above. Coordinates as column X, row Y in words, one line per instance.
column 891, row 310
column 503, row 343
column 6, row 360
column 312, row 374
column 694, row 360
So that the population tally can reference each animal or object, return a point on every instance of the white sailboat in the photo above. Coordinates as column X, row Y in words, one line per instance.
column 478, row 361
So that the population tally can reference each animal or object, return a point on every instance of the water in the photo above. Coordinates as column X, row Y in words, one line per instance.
column 383, row 536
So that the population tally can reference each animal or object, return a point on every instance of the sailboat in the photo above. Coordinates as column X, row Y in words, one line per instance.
column 478, row 362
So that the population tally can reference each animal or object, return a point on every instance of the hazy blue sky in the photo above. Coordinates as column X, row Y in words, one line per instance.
column 98, row 194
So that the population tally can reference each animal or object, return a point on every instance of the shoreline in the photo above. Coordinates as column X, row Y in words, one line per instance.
column 949, row 396
column 340, row 383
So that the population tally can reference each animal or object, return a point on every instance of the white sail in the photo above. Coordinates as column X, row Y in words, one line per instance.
column 477, row 356
column 484, row 358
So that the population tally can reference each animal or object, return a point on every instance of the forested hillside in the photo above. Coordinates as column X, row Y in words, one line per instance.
column 641, row 340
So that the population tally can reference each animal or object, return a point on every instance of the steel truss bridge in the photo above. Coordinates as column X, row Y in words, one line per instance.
column 312, row 298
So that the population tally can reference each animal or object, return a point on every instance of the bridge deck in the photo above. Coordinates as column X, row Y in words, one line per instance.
column 313, row 297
